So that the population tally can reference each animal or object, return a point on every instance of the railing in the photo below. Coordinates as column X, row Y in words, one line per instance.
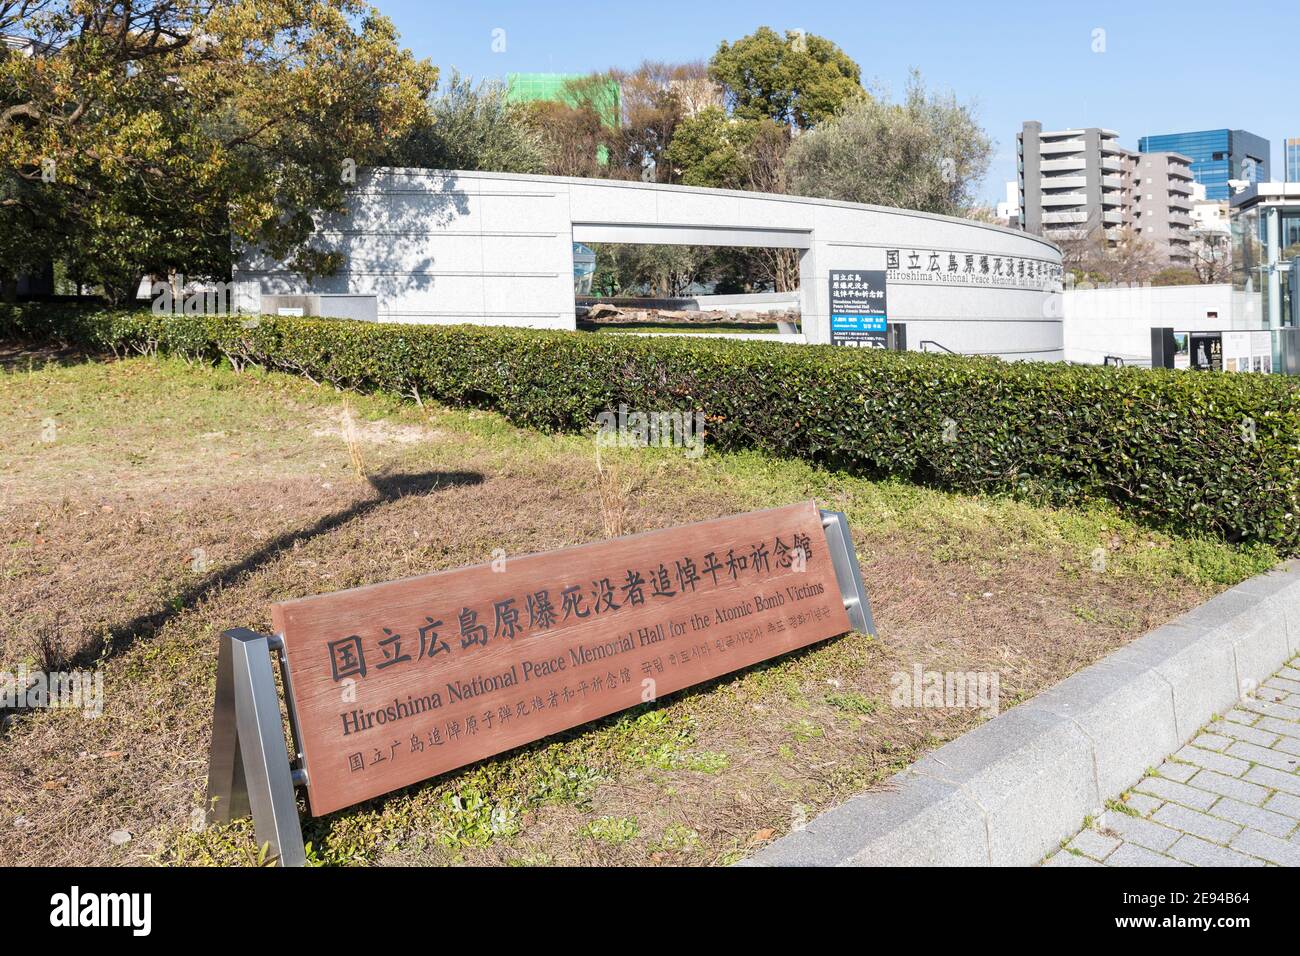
column 924, row 342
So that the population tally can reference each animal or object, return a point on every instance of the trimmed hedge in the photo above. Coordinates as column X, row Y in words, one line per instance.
column 1172, row 448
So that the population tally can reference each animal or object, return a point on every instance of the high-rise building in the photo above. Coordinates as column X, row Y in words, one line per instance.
column 1291, row 160
column 1075, row 182
column 1162, row 203
column 1217, row 156
column 1072, row 181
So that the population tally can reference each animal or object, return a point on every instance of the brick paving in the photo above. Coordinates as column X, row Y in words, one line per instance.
column 1231, row 797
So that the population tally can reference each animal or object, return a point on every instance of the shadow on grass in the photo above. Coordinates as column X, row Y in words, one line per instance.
column 387, row 488
column 18, row 357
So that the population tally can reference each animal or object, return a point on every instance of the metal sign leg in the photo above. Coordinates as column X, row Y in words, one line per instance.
column 249, row 766
column 847, row 571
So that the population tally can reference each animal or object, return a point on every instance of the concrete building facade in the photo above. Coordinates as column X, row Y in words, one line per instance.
column 1076, row 182
column 1103, row 323
column 1072, row 182
column 497, row 249
column 1008, row 211
column 1208, row 215
column 1162, row 203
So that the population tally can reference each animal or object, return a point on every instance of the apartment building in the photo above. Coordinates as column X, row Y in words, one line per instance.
column 1162, row 203
column 1074, row 182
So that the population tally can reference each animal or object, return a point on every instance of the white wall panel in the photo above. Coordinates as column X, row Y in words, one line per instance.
column 497, row 249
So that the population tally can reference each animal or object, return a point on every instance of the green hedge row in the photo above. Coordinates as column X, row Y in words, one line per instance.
column 1215, row 454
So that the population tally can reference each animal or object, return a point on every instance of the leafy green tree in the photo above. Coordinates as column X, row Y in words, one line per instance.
column 926, row 153
column 164, row 136
column 660, row 271
column 798, row 79
column 473, row 127
column 708, row 149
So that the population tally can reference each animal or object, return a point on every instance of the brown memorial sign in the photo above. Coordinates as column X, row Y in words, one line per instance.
column 394, row 683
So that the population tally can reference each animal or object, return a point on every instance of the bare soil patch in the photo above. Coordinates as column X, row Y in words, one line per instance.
column 175, row 502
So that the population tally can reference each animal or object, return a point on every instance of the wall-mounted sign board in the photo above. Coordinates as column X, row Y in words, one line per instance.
column 391, row 684
column 1226, row 350
column 859, row 308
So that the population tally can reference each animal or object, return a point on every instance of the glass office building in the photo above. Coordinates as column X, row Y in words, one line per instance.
column 1217, row 155
column 1291, row 160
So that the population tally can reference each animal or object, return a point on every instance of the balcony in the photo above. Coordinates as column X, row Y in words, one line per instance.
column 1065, row 199
column 1060, row 146
column 1057, row 165
column 1112, row 164
column 1063, row 182
column 1065, row 218
column 1112, row 217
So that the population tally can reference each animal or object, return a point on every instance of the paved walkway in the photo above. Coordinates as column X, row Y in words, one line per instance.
column 1229, row 798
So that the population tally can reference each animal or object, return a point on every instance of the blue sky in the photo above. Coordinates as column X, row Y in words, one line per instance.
column 1166, row 66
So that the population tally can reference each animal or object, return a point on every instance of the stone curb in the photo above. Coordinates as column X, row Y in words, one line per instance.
column 1009, row 791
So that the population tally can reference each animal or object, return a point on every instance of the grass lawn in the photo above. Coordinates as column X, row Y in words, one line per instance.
column 145, row 505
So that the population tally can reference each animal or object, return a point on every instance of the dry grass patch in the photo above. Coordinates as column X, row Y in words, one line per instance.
column 175, row 501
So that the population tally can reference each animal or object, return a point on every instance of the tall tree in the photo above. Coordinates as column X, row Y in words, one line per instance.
column 1122, row 256
column 473, row 127
column 161, row 136
column 1211, row 255
column 708, row 149
column 798, row 79
column 926, row 153
column 581, row 130
column 656, row 99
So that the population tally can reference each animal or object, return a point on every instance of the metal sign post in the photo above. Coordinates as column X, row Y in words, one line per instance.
column 248, row 767
column 847, row 571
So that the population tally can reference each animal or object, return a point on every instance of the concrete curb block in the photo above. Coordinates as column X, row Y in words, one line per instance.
column 1009, row 791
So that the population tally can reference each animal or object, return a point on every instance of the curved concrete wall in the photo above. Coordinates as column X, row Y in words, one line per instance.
column 496, row 249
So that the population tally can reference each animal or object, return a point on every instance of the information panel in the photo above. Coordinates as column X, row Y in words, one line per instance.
column 394, row 683
column 858, row 307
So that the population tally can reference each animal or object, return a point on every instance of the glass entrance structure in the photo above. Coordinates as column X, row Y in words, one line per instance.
column 1265, row 222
